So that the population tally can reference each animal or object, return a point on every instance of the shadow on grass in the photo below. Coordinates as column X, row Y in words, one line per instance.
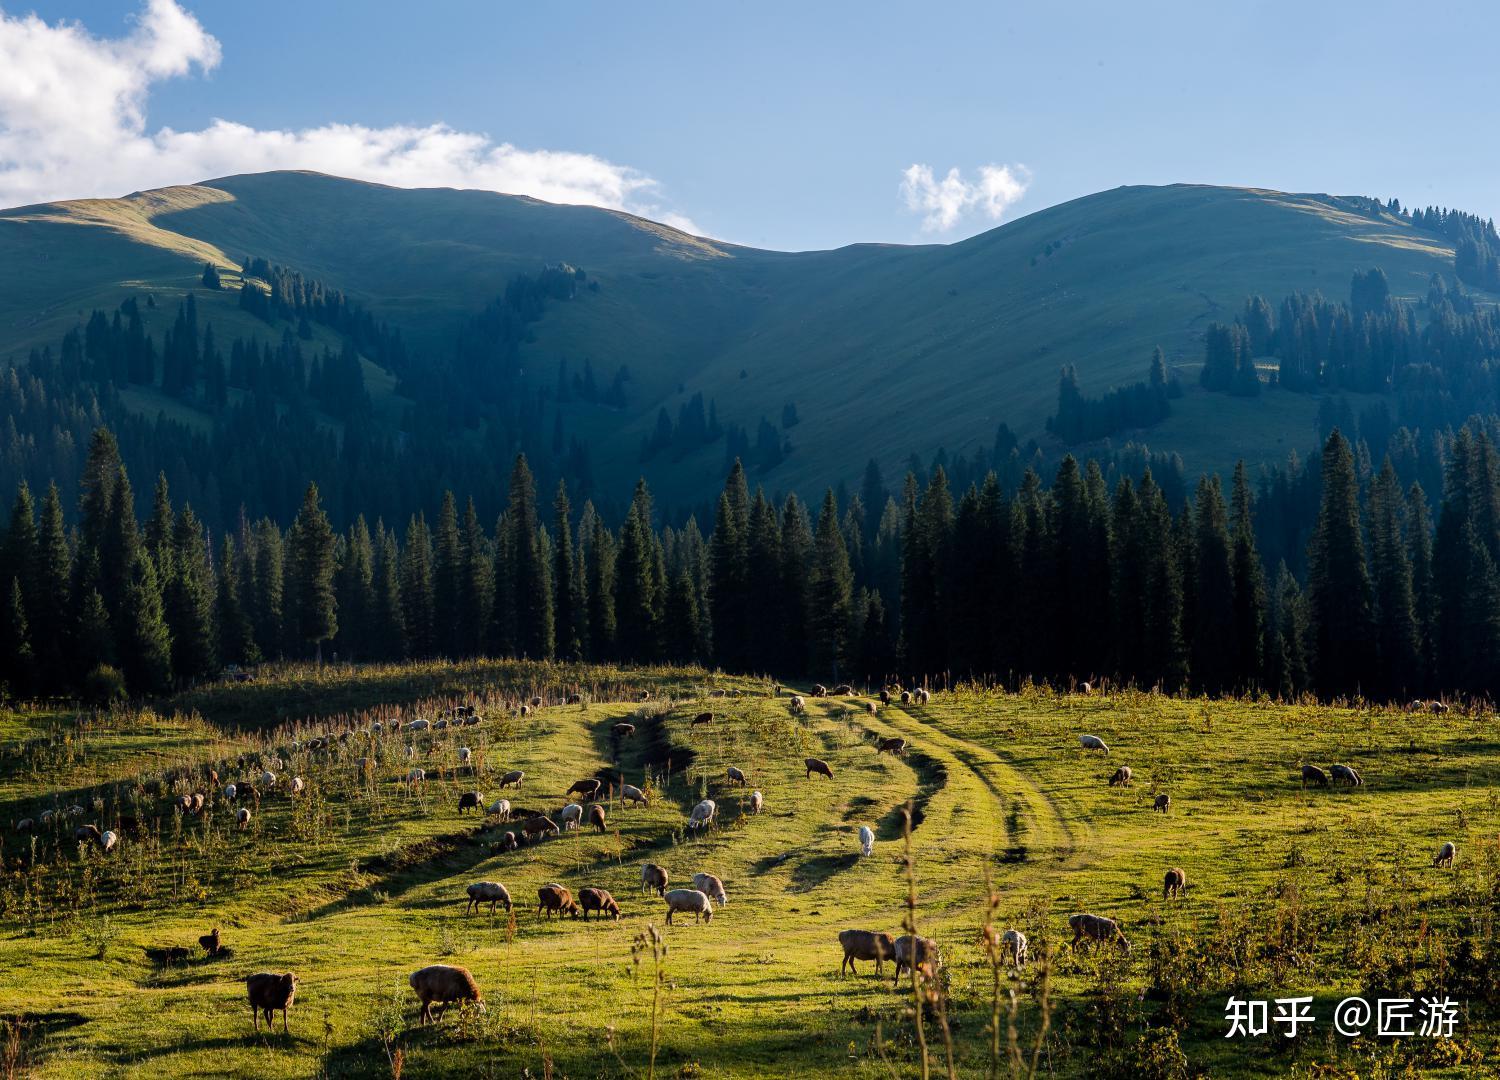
column 815, row 871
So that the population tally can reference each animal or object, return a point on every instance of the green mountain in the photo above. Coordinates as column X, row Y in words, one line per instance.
column 884, row 350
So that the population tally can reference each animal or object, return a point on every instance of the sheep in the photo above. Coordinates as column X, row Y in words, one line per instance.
column 416, row 775
column 843, row 690
column 512, row 779
column 269, row 992
column 25, row 825
column 796, row 704
column 711, row 887
column 167, row 954
column 298, row 785
column 1014, row 942
column 632, row 794
column 588, row 788
column 597, row 900
column 573, row 699
column 718, row 693
column 1445, row 856
column 654, row 877
column 442, row 984
column 183, row 805
column 1315, row 775
column 571, row 816
column 487, row 892
column 703, row 718
column 596, row 817
column 1097, row 929
column 267, row 779
column 1092, row 742
column 499, row 808
column 1122, row 776
column 554, row 899
column 917, row 954
column 703, row 814
column 885, row 697
column 736, row 776
column 87, row 834
column 923, row 696
column 108, row 840
column 196, row 805
column 756, row 801
column 418, row 725
column 242, row 817
column 538, row 826
column 465, row 755
column 471, row 800
column 536, row 703
column 1174, row 883
column 508, row 842
column 622, row 731
column 906, row 697
column 525, row 710
column 1344, row 774
column 870, row 708
column 211, row 943
column 643, row 695
column 1085, row 688
column 891, row 746
column 231, row 792
column 689, row 900
column 817, row 765
column 46, row 816
column 865, row 945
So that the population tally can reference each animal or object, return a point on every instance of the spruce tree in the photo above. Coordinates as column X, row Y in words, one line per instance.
column 96, row 638
column 1424, row 593
column 477, row 596
column 1338, row 580
column 189, row 602
column 599, row 566
column 1215, row 631
column 144, row 642
column 528, row 571
column 447, row 576
column 354, row 588
column 389, row 630
column 417, row 596
column 638, row 605
column 763, row 577
column 829, row 593
column 1396, row 632
column 50, row 611
column 1249, row 586
column 792, row 599
column 729, row 552
column 234, row 631
column 17, row 662
column 567, row 607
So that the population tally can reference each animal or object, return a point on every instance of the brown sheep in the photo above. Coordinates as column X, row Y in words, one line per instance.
column 870, row 708
column 622, row 730
column 918, row 954
column 88, row 833
column 817, row 765
column 654, row 877
column 441, row 984
column 536, row 703
column 538, row 826
column 269, row 992
column 1121, row 778
column 735, row 776
column 210, row 942
column 1174, row 883
column 891, row 746
column 512, row 779
column 865, row 945
column 1163, row 803
column 906, row 697
column 819, row 690
column 471, row 800
column 554, row 899
column 573, row 699
column 703, row 718
column 885, row 697
column 588, row 788
column 597, row 900
column 844, row 690
column 596, row 817
column 1315, row 775
column 1097, row 929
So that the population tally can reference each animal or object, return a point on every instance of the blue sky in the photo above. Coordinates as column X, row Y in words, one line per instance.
column 791, row 125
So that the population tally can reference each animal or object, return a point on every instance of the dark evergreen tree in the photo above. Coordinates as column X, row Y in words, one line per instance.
column 829, row 593
column 1396, row 632
column 1338, row 580
column 311, row 546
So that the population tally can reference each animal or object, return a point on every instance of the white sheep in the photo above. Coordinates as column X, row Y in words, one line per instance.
column 866, row 841
column 419, row 725
column 108, row 840
column 703, row 814
column 1092, row 742
column 243, row 817
column 1014, row 942
column 711, row 887
column 1446, row 854
column 464, row 754
column 416, row 775
column 297, row 785
column 231, row 792
column 268, row 779
column 500, row 808
column 756, row 802
column 571, row 816
column 632, row 794
column 689, row 900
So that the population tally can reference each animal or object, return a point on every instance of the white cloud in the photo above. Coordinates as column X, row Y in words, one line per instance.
column 943, row 203
column 73, row 125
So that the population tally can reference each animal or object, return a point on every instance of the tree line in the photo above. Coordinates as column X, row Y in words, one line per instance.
column 1059, row 582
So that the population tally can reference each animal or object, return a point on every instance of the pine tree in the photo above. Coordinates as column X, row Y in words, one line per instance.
column 829, row 593
column 729, row 553
column 234, row 631
column 158, row 536
column 1214, row 638
column 211, row 277
column 477, row 596
column 528, row 571
column 16, row 658
column 96, row 638
column 389, row 630
column 447, row 576
column 189, row 602
column 792, row 599
column 763, row 578
column 51, row 607
column 1424, row 593
column 312, row 549
column 681, row 624
column 599, row 575
column 1396, row 634
column 567, row 607
column 355, row 591
column 417, row 594
column 1249, row 586
column 144, row 642
column 266, row 567
column 1338, row 580
column 638, row 604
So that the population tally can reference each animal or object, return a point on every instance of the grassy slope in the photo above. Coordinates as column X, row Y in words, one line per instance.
column 891, row 348
column 1002, row 788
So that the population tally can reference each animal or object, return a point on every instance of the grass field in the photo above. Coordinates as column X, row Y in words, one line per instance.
column 359, row 881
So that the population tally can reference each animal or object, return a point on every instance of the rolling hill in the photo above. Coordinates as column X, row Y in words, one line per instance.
column 885, row 350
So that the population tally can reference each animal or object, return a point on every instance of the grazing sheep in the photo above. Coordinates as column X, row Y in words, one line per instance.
column 1446, row 854
column 87, row 834
column 25, row 825
column 711, row 887
column 596, row 817
column 554, row 899
column 923, row 696
column 919, row 954
column 587, row 788
column 1015, row 943
column 298, row 786
column 703, row 718
column 418, row 725
column 536, row 703
column 844, row 690
column 197, row 804
column 512, row 779
column 267, row 779
column 891, row 746
column 231, row 792
column 654, row 877
column 499, row 808
column 718, row 693
column 1097, row 929
column 629, row 793
column 416, row 775
column 538, row 827
column 571, row 816
column 819, row 690
column 1174, row 883
column 597, row 900
column 47, row 816
column 1313, row 774
column 1122, row 776
column 1092, row 742
column 736, row 776
column 796, row 704
column 622, row 731
column 1346, row 775
column 487, row 892
column 703, row 814
column 573, row 699
column 471, row 800
column 643, row 695
column 441, row 984
column 1085, row 688
column 865, row 945
column 866, row 841
column 269, row 992
column 242, row 817
column 756, row 802
column 108, row 840
column 508, row 842
column 906, row 697
column 689, row 900
column 1163, row 803
column 817, row 765
column 525, row 710
column 870, row 708
column 465, row 755
column 885, row 697
column 210, row 942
